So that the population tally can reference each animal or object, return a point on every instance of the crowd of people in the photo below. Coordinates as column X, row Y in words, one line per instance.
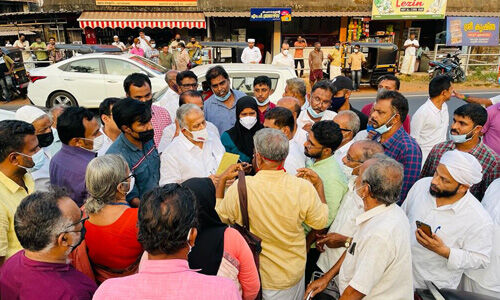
column 145, row 201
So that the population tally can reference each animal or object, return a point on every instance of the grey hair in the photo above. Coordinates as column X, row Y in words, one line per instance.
column 183, row 111
column 370, row 149
column 297, row 85
column 353, row 122
column 103, row 175
column 271, row 143
column 385, row 179
column 55, row 107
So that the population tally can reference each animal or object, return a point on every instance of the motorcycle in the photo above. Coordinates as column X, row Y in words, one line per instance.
column 450, row 66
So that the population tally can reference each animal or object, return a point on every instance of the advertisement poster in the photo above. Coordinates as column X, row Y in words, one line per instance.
column 147, row 2
column 468, row 31
column 271, row 14
column 408, row 9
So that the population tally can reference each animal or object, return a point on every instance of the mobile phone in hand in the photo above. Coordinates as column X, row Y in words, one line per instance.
column 425, row 228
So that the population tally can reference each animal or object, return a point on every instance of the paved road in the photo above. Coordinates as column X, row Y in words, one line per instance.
column 416, row 100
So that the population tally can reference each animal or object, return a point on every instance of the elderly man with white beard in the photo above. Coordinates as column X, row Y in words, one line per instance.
column 453, row 232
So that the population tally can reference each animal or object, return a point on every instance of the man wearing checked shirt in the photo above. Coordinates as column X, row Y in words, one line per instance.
column 385, row 126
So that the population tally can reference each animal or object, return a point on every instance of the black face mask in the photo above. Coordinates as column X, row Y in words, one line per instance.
column 149, row 102
column 146, row 136
column 82, row 237
column 45, row 139
column 177, row 39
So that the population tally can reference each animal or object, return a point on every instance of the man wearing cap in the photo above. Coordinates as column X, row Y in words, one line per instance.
column 43, row 131
column 118, row 43
column 461, row 231
column 251, row 54
column 340, row 100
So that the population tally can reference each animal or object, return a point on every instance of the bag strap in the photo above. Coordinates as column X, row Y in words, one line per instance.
column 242, row 193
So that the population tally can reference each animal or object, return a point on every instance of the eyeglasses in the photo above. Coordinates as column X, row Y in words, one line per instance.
column 344, row 129
column 130, row 175
column 349, row 158
column 323, row 103
column 82, row 221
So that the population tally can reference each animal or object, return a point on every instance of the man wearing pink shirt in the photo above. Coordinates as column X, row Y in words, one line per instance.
column 136, row 48
column 491, row 130
column 167, row 231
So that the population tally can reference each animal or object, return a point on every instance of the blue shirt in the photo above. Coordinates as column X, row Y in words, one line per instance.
column 403, row 148
column 147, row 172
column 67, row 169
column 218, row 113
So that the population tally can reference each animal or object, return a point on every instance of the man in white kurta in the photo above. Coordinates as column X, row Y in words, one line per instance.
column 193, row 153
column 284, row 58
column 349, row 124
column 487, row 281
column 170, row 100
column 462, row 230
column 429, row 125
column 411, row 45
column 251, row 54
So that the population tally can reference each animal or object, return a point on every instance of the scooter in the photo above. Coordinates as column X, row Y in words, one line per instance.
column 450, row 66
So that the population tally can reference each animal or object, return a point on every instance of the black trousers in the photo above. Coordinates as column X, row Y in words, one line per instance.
column 301, row 62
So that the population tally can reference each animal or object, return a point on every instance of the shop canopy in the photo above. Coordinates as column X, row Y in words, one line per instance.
column 94, row 19
column 14, row 31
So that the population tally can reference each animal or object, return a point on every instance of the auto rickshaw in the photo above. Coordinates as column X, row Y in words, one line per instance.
column 223, row 52
column 381, row 59
column 20, row 78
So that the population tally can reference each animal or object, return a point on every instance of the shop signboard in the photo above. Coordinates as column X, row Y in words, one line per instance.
column 468, row 31
column 148, row 2
column 408, row 9
column 271, row 14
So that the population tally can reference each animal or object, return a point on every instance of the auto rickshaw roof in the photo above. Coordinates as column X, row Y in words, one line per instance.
column 240, row 45
column 377, row 45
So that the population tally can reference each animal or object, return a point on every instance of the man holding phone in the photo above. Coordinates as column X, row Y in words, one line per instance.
column 453, row 232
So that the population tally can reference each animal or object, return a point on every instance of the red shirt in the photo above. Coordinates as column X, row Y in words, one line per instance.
column 367, row 109
column 262, row 114
column 115, row 245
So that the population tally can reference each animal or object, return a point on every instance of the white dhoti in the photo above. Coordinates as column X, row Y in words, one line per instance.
column 335, row 71
column 408, row 66
column 296, row 292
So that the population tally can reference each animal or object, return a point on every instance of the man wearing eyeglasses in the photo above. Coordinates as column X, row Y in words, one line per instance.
column 170, row 100
column 348, row 122
column 49, row 225
column 321, row 99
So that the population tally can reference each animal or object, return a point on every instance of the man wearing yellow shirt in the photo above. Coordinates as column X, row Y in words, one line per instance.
column 335, row 58
column 19, row 152
column 278, row 205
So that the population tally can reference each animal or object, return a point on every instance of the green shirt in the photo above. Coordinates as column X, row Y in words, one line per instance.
column 334, row 183
column 40, row 54
column 167, row 60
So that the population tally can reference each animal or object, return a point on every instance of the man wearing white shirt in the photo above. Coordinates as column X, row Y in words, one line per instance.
column 293, row 105
column 411, row 45
column 170, row 100
column 461, row 231
column 251, row 54
column 429, row 125
column 344, row 224
column 487, row 281
column 348, row 122
column 194, row 153
column 282, row 119
column 296, row 88
column 118, row 43
column 144, row 41
column 377, row 261
column 284, row 59
column 321, row 99
column 172, row 130
column 109, row 130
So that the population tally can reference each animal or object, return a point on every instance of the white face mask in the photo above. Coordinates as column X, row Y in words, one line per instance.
column 356, row 50
column 248, row 122
column 98, row 143
column 128, row 184
column 187, row 239
column 285, row 52
column 153, row 45
column 200, row 135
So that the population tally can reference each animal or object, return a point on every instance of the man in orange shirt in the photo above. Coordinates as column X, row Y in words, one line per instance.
column 299, row 45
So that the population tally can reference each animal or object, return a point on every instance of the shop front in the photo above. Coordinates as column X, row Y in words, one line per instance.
column 100, row 27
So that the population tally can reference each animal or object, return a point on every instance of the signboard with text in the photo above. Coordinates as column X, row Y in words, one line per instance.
column 271, row 14
column 147, row 2
column 408, row 9
column 471, row 31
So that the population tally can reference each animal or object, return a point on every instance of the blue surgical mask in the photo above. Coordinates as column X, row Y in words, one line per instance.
column 262, row 103
column 222, row 99
column 38, row 159
column 314, row 114
column 461, row 138
column 384, row 128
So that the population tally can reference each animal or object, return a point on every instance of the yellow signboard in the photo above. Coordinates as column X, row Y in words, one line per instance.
column 147, row 2
column 408, row 9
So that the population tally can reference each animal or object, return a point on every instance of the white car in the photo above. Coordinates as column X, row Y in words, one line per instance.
column 86, row 80
column 242, row 76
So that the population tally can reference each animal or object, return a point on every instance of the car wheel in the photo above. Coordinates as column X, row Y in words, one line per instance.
column 62, row 98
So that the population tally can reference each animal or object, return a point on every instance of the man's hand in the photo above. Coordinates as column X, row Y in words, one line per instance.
column 316, row 287
column 434, row 243
column 331, row 240
column 458, row 95
column 309, row 175
column 215, row 179
column 247, row 168
column 231, row 172
column 308, row 126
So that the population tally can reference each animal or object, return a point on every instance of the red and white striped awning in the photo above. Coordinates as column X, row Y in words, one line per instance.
column 95, row 19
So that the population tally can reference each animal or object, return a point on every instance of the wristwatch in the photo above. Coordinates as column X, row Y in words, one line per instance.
column 348, row 242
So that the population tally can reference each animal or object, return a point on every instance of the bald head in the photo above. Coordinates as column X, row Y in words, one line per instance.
column 170, row 78
column 360, row 152
column 291, row 104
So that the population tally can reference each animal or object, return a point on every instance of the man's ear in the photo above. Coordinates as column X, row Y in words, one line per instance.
column 348, row 94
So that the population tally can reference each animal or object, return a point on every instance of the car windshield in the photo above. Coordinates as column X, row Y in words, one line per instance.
column 154, row 67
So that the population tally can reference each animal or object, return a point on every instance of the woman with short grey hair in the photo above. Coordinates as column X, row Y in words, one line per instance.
column 111, row 235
